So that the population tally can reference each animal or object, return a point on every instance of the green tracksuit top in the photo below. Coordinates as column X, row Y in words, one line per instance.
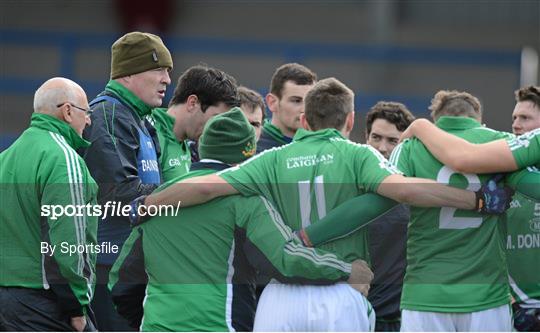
column 42, row 168
column 175, row 157
column 195, row 270
column 455, row 259
column 311, row 176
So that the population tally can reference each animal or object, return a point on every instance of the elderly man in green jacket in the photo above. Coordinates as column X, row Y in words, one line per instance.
column 43, row 287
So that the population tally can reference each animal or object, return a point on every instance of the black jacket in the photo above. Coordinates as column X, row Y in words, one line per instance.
column 123, row 166
column 388, row 240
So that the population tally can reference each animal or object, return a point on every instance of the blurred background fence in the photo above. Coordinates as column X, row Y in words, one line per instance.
column 384, row 50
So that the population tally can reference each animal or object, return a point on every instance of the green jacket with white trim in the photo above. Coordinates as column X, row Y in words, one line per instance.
column 41, row 173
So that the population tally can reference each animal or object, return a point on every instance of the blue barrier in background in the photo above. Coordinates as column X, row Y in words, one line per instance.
column 69, row 42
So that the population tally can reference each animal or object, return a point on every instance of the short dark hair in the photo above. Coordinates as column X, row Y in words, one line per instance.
column 455, row 103
column 210, row 85
column 251, row 98
column 393, row 112
column 299, row 74
column 328, row 103
column 530, row 93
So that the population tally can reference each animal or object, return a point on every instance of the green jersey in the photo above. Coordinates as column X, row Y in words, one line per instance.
column 175, row 158
column 523, row 243
column 310, row 176
column 199, row 266
column 526, row 149
column 455, row 259
column 40, row 175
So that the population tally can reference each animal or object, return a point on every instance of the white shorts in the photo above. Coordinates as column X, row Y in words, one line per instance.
column 497, row 319
column 338, row 307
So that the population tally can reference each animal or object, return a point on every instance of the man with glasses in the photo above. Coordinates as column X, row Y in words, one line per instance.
column 87, row 112
column 123, row 157
column 43, row 288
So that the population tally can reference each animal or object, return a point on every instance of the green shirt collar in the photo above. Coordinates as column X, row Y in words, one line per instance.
column 327, row 133
column 163, row 119
column 141, row 108
column 457, row 123
column 52, row 124
column 275, row 133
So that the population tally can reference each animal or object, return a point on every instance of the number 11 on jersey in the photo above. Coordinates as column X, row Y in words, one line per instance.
column 304, row 191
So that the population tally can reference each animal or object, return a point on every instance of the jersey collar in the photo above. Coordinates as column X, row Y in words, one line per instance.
column 327, row 133
column 457, row 123
column 130, row 98
column 163, row 118
column 55, row 125
column 276, row 133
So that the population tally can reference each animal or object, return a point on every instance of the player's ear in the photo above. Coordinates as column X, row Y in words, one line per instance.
column 303, row 121
column 350, row 122
column 272, row 102
column 192, row 103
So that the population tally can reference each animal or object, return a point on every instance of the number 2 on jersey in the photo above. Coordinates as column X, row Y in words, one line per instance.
column 447, row 220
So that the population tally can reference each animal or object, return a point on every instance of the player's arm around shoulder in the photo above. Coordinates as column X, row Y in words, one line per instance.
column 459, row 154
column 192, row 191
column 420, row 192
column 525, row 149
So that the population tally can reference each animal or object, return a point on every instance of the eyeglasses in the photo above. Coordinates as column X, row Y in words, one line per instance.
column 86, row 111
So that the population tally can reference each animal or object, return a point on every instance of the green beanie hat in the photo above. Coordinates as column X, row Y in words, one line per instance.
column 228, row 137
column 137, row 52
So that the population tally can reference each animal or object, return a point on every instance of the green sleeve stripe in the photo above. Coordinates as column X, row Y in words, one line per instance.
column 522, row 140
column 278, row 221
column 310, row 254
column 515, row 144
column 394, row 157
column 46, row 285
column 383, row 162
column 522, row 295
column 111, row 133
column 72, row 179
column 229, row 281
column 294, row 249
column 324, row 257
column 82, row 221
column 76, row 182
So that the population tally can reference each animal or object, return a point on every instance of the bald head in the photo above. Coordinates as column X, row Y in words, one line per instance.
column 55, row 91
column 71, row 98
